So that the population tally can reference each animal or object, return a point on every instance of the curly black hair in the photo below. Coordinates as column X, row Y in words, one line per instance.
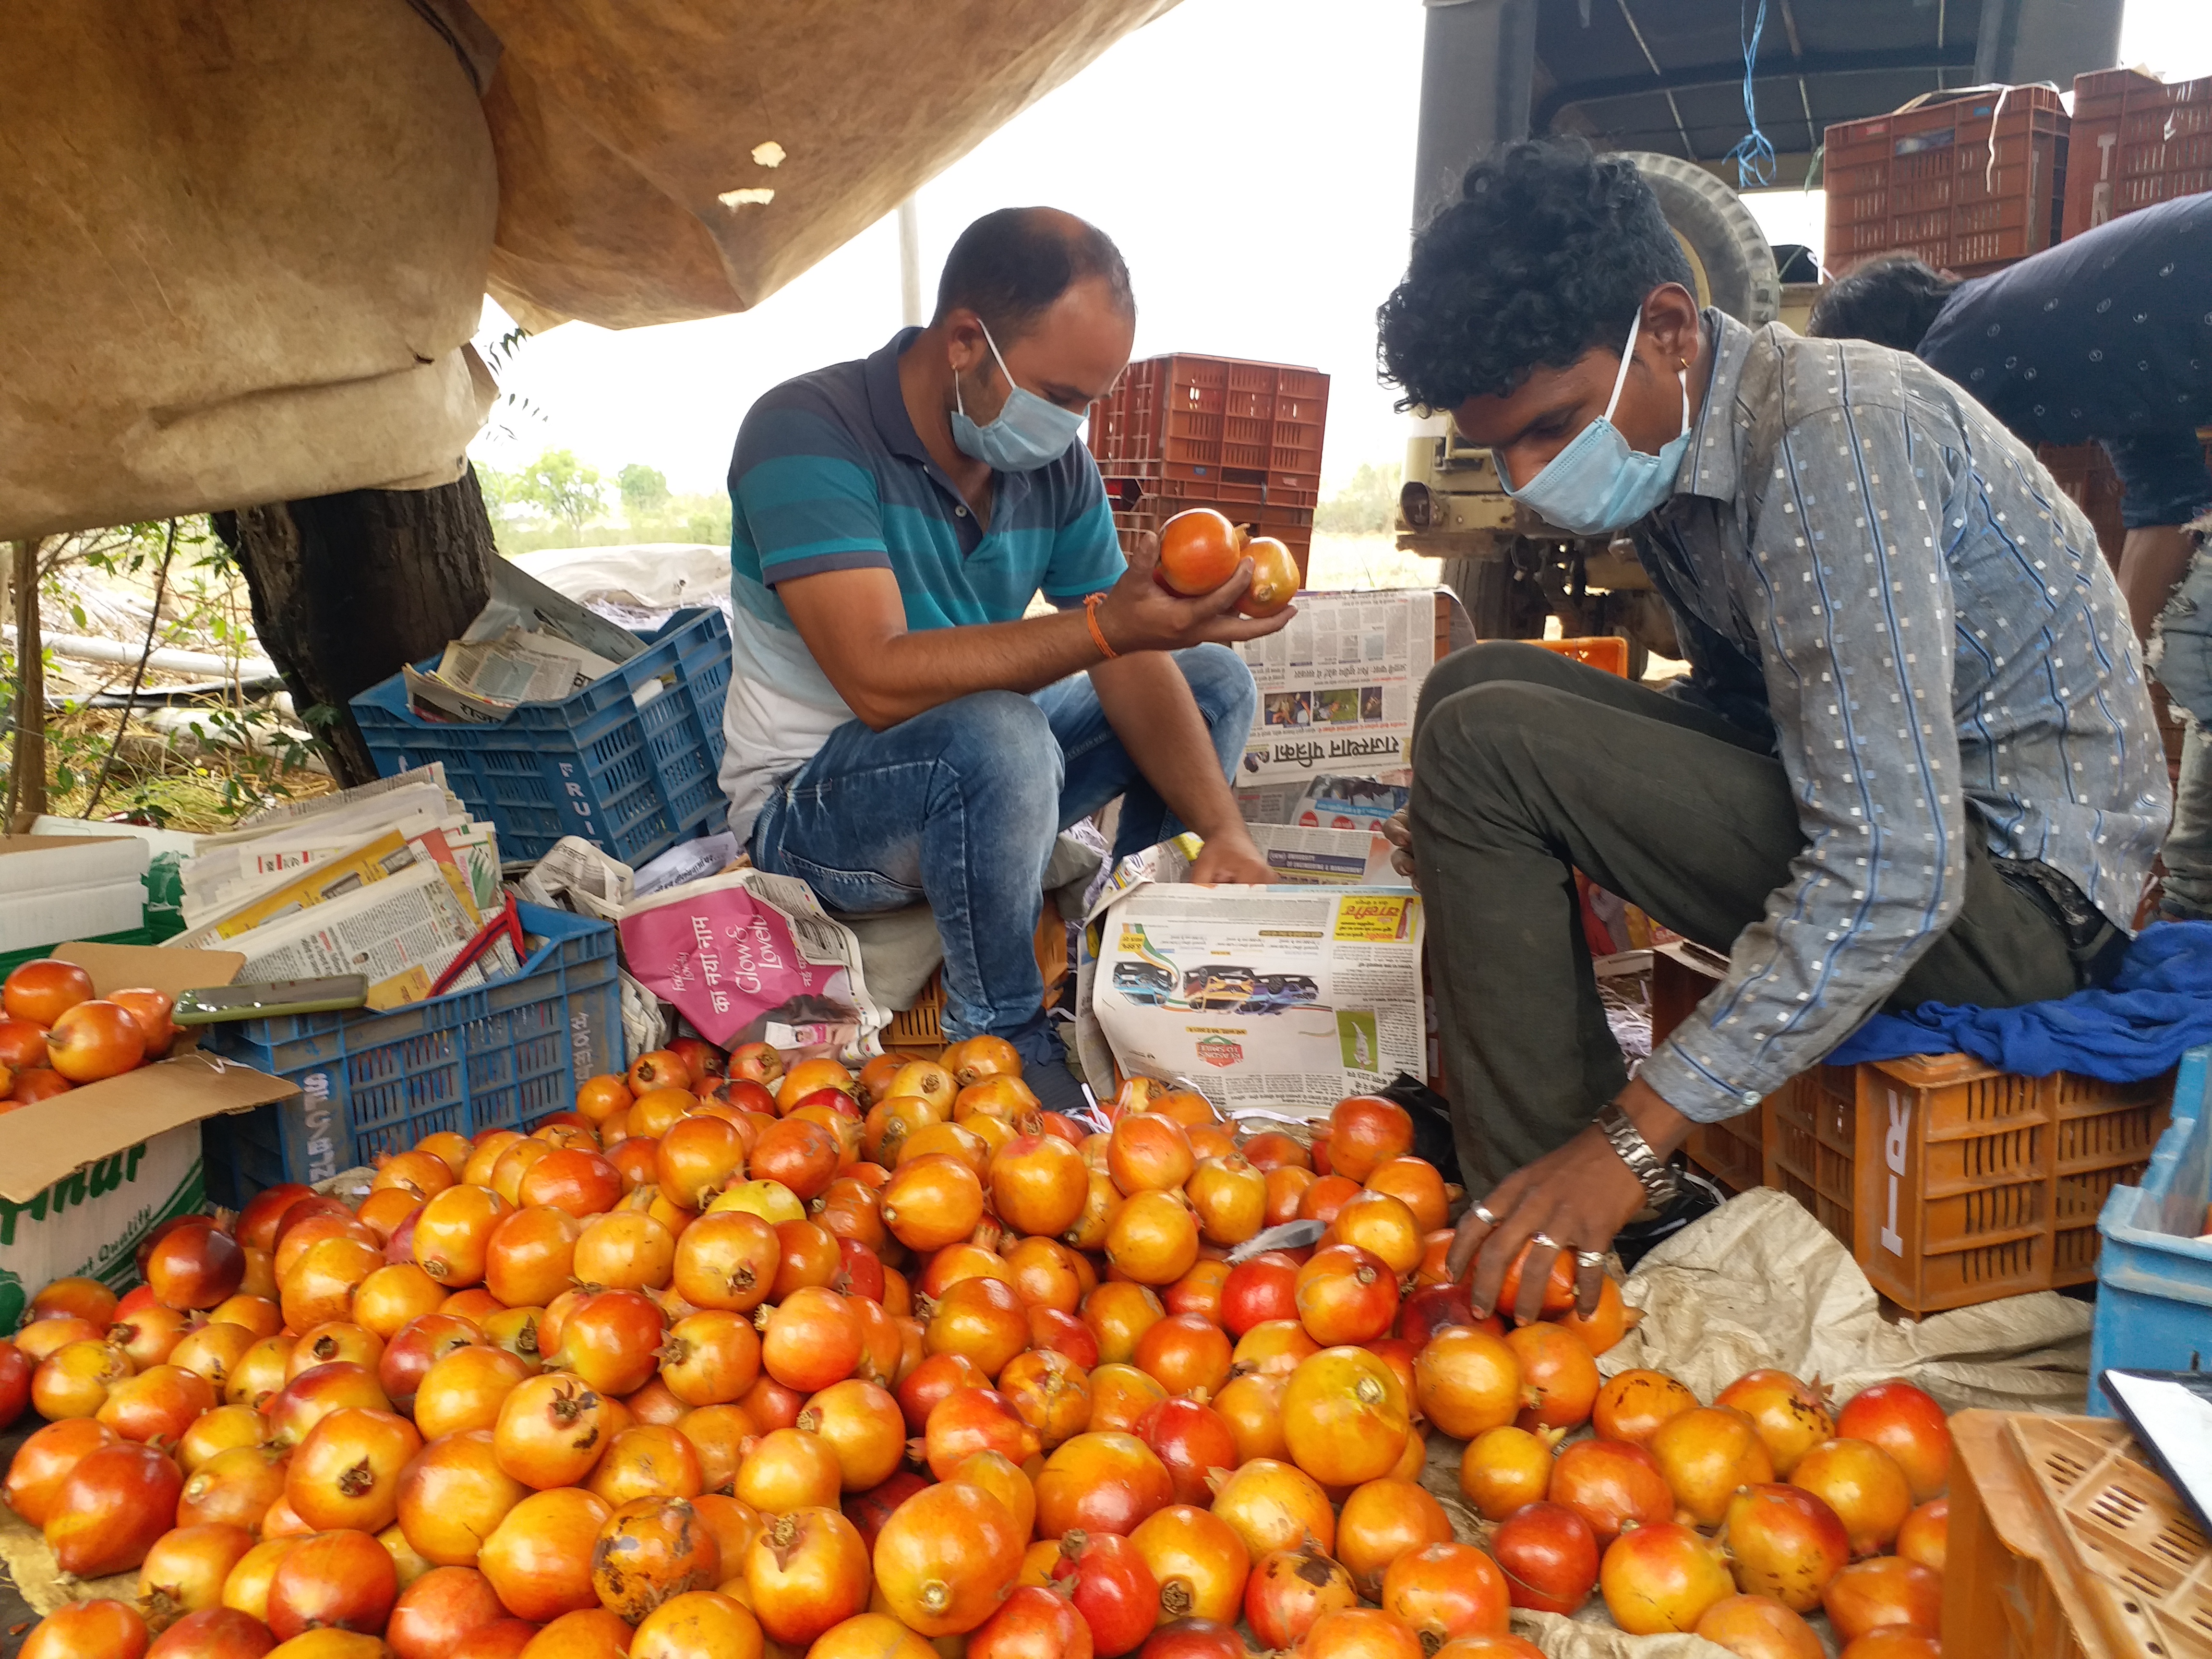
column 1551, row 250
column 1891, row 301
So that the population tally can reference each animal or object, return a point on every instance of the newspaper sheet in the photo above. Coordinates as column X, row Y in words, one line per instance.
column 400, row 933
column 291, row 811
column 1338, row 685
column 518, row 667
column 574, row 875
column 519, row 600
column 217, row 882
column 750, row 956
column 1262, row 996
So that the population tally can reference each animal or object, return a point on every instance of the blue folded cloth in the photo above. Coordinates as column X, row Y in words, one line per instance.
column 2157, row 1005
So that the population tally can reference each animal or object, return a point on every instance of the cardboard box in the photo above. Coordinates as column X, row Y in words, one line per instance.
column 57, row 887
column 87, row 1174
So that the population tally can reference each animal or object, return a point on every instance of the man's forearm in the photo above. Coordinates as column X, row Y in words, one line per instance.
column 2153, row 560
column 910, row 673
column 1148, row 703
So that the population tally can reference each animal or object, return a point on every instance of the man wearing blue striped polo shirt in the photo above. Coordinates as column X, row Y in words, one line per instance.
column 898, row 731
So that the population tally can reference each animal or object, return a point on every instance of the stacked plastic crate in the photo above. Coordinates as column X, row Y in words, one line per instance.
column 1244, row 438
column 1968, row 184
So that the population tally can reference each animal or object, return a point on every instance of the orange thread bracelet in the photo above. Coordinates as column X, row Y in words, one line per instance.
column 1098, row 634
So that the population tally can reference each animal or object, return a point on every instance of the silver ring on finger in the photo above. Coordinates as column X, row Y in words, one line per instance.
column 1587, row 1259
column 1545, row 1239
column 1482, row 1214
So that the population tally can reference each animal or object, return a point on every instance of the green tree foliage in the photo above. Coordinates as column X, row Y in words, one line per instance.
column 1368, row 505
column 644, row 491
column 563, row 488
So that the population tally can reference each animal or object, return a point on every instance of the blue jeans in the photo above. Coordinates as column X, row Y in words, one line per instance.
column 959, row 807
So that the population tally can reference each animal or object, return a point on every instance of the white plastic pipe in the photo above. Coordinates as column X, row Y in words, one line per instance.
column 79, row 648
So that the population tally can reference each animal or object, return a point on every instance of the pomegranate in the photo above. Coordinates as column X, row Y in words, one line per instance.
column 1612, row 1485
column 1549, row 1557
column 943, row 1556
column 1760, row 1627
column 1466, row 1381
column 652, row 1548
column 1381, row 1520
column 1198, row 1560
column 1446, row 1590
column 1112, row 1587
column 1104, row 1481
column 1706, row 1454
column 538, row 1558
column 1888, row 1590
column 1504, row 1469
column 437, row 1610
column 1926, row 1533
column 1344, row 1416
column 332, row 1580
column 1784, row 1543
column 1791, row 1417
column 1032, row 1623
column 1272, row 1505
column 1633, row 1404
column 1289, row 1589
column 1662, row 1578
column 78, row 1630
column 110, row 1508
column 1359, row 1633
column 1864, row 1485
column 1908, row 1424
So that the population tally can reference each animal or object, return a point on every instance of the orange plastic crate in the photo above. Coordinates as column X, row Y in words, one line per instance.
column 1605, row 651
column 1921, row 181
column 1238, row 430
column 1950, row 1183
column 2064, row 1545
column 2137, row 141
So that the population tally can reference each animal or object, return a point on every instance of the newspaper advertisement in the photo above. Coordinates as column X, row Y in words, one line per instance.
column 747, row 957
column 1290, row 998
column 1338, row 687
column 1325, row 858
column 1326, row 802
column 399, row 933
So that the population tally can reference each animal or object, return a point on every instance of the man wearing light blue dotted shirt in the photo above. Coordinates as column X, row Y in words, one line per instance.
column 1915, row 759
column 2106, row 337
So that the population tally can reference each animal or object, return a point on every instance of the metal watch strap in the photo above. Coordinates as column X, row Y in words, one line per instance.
column 1658, row 1179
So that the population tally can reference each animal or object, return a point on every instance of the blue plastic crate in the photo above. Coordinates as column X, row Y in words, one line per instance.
column 633, row 780
column 2153, row 1278
column 499, row 1057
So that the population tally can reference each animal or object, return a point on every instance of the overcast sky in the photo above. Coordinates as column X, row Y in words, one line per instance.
column 1258, row 178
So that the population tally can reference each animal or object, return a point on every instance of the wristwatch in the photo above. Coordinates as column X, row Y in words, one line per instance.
column 1660, row 1184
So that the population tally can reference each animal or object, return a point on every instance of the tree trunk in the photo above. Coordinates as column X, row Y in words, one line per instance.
column 27, row 769
column 347, row 588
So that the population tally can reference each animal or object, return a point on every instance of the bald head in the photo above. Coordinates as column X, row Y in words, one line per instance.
column 1010, row 267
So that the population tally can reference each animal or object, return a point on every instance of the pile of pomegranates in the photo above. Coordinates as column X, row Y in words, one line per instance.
column 55, row 1034
column 734, row 1361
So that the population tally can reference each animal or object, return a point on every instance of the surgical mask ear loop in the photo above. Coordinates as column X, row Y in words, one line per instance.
column 1627, row 353
column 960, row 402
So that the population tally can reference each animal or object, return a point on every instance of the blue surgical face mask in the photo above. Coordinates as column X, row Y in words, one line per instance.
column 1600, row 482
column 1029, row 432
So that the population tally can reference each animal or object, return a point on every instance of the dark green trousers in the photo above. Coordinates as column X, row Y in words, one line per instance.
column 1529, row 766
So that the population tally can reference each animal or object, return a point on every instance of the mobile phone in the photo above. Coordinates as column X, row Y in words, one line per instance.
column 213, row 1003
